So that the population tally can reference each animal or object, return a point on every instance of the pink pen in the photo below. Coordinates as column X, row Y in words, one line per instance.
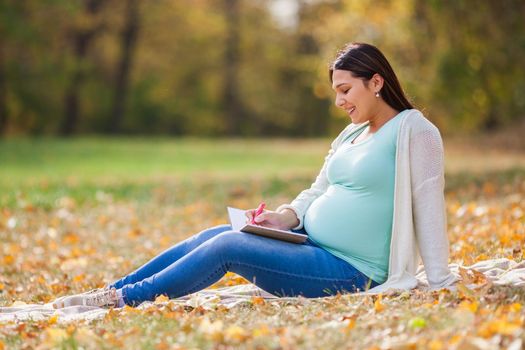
column 258, row 211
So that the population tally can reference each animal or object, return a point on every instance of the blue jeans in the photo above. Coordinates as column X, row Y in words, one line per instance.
column 278, row 267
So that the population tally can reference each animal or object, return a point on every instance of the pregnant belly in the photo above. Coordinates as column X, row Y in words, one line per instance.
column 348, row 221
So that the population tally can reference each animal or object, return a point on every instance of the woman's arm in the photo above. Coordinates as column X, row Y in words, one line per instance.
column 301, row 203
column 428, row 203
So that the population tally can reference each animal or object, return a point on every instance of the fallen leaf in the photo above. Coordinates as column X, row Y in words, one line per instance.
column 417, row 323
column 256, row 300
column 8, row 259
column 236, row 334
column 161, row 299
column 378, row 306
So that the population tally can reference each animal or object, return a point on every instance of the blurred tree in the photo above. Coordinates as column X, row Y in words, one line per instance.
column 85, row 30
column 232, row 103
column 3, row 92
column 232, row 67
column 480, row 75
column 128, row 41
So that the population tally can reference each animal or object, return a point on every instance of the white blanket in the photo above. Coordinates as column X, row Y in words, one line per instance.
column 497, row 271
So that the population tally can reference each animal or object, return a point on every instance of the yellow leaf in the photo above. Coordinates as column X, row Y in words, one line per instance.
column 131, row 309
column 378, row 306
column 464, row 291
column 9, row 260
column 85, row 335
column 515, row 307
column 435, row 345
column 236, row 333
column 171, row 315
column 501, row 326
column 71, row 238
column 213, row 330
column 1, row 287
column 71, row 329
column 112, row 313
column 162, row 346
column 469, row 306
column 481, row 257
column 161, row 299
column 417, row 322
column 56, row 335
column 79, row 278
column 352, row 319
column 1, row 345
column 53, row 319
column 134, row 233
column 261, row 331
column 258, row 300
column 351, row 324
column 455, row 339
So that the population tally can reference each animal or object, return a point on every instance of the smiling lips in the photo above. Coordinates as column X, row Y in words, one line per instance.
column 349, row 111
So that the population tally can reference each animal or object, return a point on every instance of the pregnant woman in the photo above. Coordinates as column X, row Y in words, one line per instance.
column 376, row 207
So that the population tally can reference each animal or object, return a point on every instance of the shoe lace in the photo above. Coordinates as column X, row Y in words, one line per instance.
column 106, row 297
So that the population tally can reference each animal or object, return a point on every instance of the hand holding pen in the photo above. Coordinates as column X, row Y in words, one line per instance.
column 251, row 214
column 283, row 220
column 258, row 212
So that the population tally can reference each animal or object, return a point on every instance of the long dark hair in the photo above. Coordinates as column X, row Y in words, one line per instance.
column 365, row 60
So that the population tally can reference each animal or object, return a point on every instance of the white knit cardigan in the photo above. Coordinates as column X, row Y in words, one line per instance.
column 419, row 219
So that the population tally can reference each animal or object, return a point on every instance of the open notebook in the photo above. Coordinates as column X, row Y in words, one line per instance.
column 238, row 222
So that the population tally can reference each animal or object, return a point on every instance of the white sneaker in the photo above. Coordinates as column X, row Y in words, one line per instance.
column 106, row 297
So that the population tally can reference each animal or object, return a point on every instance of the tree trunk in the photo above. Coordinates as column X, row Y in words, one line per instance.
column 81, row 41
column 3, row 93
column 232, row 104
column 128, row 41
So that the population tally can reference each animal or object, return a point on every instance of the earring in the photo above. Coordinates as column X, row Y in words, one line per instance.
column 377, row 93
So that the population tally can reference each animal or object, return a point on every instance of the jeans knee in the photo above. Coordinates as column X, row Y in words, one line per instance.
column 221, row 228
column 228, row 241
column 211, row 232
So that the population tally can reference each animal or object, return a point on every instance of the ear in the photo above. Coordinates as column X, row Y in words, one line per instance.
column 377, row 82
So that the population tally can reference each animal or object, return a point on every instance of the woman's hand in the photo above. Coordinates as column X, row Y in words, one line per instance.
column 283, row 220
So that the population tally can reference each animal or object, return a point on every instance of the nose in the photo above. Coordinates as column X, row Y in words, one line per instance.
column 339, row 101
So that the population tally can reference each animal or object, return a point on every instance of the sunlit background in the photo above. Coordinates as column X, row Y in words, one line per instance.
column 129, row 125
column 249, row 67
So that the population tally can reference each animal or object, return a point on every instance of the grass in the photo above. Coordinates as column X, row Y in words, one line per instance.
column 75, row 214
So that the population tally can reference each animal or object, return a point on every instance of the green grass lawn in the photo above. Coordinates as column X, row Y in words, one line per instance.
column 75, row 214
column 131, row 158
column 42, row 170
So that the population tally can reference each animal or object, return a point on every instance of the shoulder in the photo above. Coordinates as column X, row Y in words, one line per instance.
column 416, row 122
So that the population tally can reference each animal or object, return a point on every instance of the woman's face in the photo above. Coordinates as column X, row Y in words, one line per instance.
column 353, row 96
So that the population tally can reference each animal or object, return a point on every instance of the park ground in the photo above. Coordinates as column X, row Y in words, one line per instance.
column 78, row 213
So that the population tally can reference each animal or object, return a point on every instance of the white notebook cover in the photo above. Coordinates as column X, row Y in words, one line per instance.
column 238, row 222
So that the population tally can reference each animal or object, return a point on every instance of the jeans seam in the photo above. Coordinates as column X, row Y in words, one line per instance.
column 352, row 279
column 198, row 286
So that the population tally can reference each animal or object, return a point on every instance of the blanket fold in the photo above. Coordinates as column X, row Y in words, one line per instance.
column 498, row 271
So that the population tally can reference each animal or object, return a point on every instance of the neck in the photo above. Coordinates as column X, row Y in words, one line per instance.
column 383, row 115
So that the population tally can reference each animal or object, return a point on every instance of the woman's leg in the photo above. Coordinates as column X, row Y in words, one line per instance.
column 278, row 267
column 169, row 256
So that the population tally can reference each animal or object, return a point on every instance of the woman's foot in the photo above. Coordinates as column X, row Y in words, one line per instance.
column 107, row 297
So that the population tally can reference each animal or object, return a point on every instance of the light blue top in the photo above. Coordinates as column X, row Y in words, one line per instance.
column 353, row 218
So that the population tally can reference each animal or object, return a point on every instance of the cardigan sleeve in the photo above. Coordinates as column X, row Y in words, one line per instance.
column 428, row 205
column 303, row 201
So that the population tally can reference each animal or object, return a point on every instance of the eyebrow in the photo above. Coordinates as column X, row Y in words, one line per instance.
column 339, row 85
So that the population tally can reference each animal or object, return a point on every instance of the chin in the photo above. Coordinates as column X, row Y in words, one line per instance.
column 356, row 120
